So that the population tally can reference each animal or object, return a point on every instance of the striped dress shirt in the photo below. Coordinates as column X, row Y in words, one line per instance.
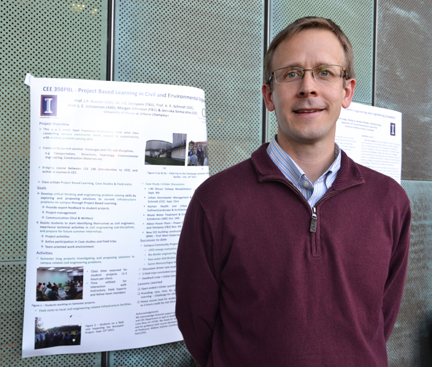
column 312, row 192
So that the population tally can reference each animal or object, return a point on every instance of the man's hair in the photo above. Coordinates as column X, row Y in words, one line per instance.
column 310, row 23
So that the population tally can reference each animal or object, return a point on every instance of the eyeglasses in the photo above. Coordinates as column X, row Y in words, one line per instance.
column 322, row 73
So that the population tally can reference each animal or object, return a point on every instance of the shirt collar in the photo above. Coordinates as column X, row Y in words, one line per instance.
column 292, row 171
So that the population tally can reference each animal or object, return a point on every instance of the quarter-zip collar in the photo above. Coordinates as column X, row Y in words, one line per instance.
column 349, row 174
column 312, row 191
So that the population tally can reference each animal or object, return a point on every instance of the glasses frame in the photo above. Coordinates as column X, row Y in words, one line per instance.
column 272, row 76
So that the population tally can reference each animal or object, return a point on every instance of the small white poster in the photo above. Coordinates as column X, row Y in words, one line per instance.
column 113, row 167
column 372, row 136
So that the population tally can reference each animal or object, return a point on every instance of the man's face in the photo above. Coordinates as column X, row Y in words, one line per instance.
column 307, row 110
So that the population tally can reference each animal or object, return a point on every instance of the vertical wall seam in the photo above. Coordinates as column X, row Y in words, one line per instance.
column 105, row 359
column 375, row 43
column 265, row 113
column 110, row 41
column 109, row 77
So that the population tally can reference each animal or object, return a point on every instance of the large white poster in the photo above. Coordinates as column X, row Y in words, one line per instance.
column 372, row 136
column 112, row 169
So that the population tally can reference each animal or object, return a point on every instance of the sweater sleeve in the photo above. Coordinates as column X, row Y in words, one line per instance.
column 197, row 289
column 397, row 273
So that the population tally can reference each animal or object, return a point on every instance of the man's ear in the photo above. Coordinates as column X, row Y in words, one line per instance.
column 349, row 92
column 268, row 97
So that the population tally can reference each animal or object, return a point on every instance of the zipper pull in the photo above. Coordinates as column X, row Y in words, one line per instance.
column 313, row 224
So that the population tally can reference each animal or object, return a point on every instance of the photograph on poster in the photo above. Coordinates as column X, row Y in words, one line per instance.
column 197, row 153
column 49, row 333
column 166, row 153
column 59, row 284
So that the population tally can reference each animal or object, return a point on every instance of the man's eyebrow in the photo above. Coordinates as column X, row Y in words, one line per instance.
column 289, row 66
column 302, row 67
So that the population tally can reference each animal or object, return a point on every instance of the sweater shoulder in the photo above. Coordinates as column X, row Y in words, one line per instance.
column 384, row 184
column 227, row 184
column 240, row 173
column 376, row 177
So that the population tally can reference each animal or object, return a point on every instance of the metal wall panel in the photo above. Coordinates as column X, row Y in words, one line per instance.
column 165, row 355
column 54, row 39
column 411, row 341
column 404, row 54
column 356, row 18
column 213, row 45
column 48, row 39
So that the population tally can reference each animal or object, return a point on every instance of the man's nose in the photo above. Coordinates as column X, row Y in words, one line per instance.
column 308, row 84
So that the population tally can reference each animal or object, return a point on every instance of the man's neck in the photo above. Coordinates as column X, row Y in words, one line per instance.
column 313, row 159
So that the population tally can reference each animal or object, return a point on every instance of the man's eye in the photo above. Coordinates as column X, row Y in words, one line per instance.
column 325, row 73
column 290, row 74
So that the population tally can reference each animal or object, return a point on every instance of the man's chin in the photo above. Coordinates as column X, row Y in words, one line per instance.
column 309, row 136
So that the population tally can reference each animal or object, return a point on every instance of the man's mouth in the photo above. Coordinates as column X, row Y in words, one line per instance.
column 307, row 111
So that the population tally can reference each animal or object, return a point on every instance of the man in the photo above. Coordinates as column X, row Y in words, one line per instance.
column 72, row 292
column 52, row 295
column 193, row 160
column 297, row 256
column 47, row 291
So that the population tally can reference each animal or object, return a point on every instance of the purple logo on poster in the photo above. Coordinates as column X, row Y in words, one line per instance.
column 48, row 105
column 392, row 128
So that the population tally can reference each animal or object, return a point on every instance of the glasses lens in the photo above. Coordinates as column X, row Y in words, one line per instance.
column 288, row 75
column 328, row 73
column 322, row 73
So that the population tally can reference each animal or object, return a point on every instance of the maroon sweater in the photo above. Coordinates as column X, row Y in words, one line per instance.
column 257, row 287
